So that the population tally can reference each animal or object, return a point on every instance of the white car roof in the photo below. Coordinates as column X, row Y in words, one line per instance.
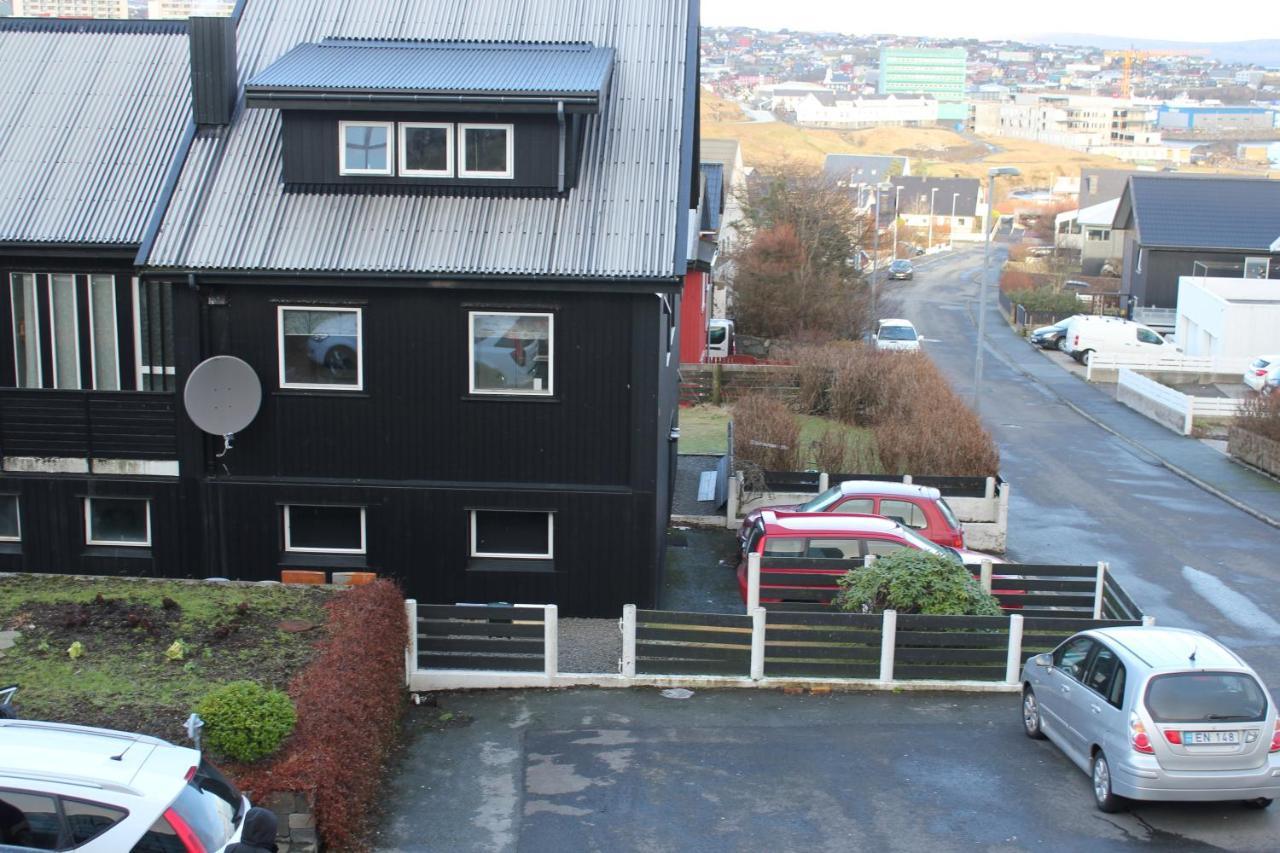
column 1171, row 648
column 888, row 487
column 896, row 323
column 830, row 523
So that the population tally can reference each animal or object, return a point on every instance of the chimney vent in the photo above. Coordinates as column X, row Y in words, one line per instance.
column 213, row 69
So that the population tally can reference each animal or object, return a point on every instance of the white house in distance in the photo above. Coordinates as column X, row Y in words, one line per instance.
column 1228, row 317
column 831, row 109
column 1088, row 231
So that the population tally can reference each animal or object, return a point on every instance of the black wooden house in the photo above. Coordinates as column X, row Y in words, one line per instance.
column 449, row 238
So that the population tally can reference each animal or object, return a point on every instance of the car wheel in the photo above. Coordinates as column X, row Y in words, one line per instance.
column 340, row 359
column 1062, row 344
column 1031, row 715
column 1257, row 803
column 1103, row 798
column 1086, row 356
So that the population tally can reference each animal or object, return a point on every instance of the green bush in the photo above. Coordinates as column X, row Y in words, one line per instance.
column 911, row 581
column 1045, row 299
column 246, row 721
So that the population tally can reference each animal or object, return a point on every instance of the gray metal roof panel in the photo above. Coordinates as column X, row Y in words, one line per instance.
column 1206, row 213
column 230, row 211
column 917, row 194
column 89, row 121
column 440, row 67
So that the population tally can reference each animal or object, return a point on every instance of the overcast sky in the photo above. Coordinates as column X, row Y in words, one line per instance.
column 995, row 19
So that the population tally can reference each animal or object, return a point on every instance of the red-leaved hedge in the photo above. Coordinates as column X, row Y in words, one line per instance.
column 349, row 700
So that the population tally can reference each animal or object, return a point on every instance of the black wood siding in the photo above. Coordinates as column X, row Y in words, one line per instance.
column 102, row 424
column 1157, row 282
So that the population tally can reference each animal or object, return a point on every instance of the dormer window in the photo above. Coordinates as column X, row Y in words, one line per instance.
column 486, row 150
column 365, row 147
column 426, row 149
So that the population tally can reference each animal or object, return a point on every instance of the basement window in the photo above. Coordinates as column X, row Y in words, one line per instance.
column 117, row 521
column 487, row 151
column 10, row 523
column 364, row 148
column 324, row 529
column 512, row 534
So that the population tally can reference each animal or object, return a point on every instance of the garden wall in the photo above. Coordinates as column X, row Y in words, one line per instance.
column 1256, row 450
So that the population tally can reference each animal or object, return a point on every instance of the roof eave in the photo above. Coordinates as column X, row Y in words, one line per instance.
column 291, row 97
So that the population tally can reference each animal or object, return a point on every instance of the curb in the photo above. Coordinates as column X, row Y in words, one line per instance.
column 1181, row 472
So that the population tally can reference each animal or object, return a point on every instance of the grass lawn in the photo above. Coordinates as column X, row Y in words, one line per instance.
column 124, row 679
column 703, row 430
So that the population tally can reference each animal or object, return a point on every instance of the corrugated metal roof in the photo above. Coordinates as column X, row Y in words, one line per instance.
column 918, row 195
column 230, row 211
column 440, row 67
column 1203, row 213
column 90, row 116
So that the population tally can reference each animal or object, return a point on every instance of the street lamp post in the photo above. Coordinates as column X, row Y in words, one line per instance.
column 897, row 206
column 875, row 244
column 992, row 174
column 951, row 229
column 932, row 195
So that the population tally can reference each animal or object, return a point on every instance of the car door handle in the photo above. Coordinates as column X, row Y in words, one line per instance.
column 1065, row 689
column 1097, row 709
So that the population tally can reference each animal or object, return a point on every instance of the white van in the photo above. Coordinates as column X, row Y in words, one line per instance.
column 1088, row 334
column 720, row 338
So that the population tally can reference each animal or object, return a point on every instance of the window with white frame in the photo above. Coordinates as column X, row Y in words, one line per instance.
column 104, row 336
column 26, row 330
column 512, row 353
column 320, row 347
column 10, row 522
column 487, row 151
column 1098, row 234
column 64, row 330
column 1257, row 267
column 324, row 529
column 117, row 521
column 512, row 534
column 153, row 335
column 61, row 340
column 426, row 150
column 364, row 147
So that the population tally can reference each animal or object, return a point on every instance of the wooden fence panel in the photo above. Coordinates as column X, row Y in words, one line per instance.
column 676, row 643
column 822, row 645
column 464, row 636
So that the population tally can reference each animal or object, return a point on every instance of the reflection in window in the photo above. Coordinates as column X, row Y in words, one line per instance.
column 104, row 340
column 65, row 330
column 503, row 533
column 29, row 821
column 365, row 148
column 904, row 512
column 320, row 348
column 26, row 330
column 10, row 524
column 89, row 820
column 426, row 150
column 324, row 529
column 486, row 151
column 511, row 353
column 117, row 521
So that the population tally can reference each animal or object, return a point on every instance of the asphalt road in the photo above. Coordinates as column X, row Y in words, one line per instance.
column 748, row 770
column 1081, row 494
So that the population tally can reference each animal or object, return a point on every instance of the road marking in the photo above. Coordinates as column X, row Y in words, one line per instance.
column 1233, row 605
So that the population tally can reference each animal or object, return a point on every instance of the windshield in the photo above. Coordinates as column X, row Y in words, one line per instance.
column 1195, row 697
column 821, row 502
column 717, row 334
column 901, row 265
column 897, row 333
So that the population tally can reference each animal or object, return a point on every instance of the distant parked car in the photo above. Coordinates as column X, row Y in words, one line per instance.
column 1156, row 714
column 1047, row 337
column 921, row 508
column 1263, row 374
column 1087, row 334
column 897, row 335
column 901, row 269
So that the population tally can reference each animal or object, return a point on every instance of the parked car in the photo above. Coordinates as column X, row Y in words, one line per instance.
column 901, row 269
column 1047, row 337
column 921, row 508
column 832, row 536
column 104, row 791
column 1263, row 374
column 1156, row 714
column 1088, row 333
column 720, row 338
column 897, row 335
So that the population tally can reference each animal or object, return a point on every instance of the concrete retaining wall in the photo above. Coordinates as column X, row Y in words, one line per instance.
column 1162, row 404
column 1254, row 449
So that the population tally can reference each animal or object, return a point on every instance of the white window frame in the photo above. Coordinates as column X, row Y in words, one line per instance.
column 17, row 505
column 390, row 127
column 13, row 316
column 75, row 327
column 115, row 326
column 114, row 543
column 401, row 149
column 548, row 391
column 1265, row 263
column 358, row 311
column 298, row 549
column 551, row 543
column 464, row 172
column 143, row 369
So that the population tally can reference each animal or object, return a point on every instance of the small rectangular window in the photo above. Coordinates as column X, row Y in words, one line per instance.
column 512, row 534
column 10, row 522
column 511, row 353
column 324, row 529
column 426, row 150
column 64, row 330
column 487, row 151
column 364, row 147
column 1257, row 267
column 117, row 521
column 321, row 348
column 26, row 330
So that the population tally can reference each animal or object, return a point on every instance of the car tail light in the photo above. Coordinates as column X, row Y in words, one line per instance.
column 1075, row 341
column 1173, row 736
column 1262, row 372
column 1138, row 736
column 1275, row 738
column 191, row 774
column 190, row 841
column 957, row 540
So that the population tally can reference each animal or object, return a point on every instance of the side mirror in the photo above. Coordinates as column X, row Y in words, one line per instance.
column 1044, row 660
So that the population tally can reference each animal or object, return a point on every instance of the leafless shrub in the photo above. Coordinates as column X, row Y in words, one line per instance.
column 766, row 432
column 1261, row 416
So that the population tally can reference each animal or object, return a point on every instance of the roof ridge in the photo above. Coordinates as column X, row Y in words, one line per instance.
column 92, row 25
column 454, row 44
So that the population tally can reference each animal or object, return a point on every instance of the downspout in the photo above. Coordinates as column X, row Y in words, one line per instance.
column 561, row 168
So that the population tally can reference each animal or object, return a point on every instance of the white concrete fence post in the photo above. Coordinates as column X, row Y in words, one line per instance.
column 411, row 649
column 906, row 479
column 551, row 640
column 628, row 641
column 1013, row 664
column 888, row 641
column 757, row 643
column 731, row 510
column 868, row 561
column 753, row 582
column 824, row 482
column 990, row 491
column 984, row 576
column 1099, row 585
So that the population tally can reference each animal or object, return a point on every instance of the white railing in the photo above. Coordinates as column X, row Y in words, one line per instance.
column 1100, row 363
column 1168, row 406
column 1155, row 316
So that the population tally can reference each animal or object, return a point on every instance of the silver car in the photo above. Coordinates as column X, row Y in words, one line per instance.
column 1156, row 714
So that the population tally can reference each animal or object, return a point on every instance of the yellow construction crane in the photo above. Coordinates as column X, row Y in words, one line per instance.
column 1131, row 55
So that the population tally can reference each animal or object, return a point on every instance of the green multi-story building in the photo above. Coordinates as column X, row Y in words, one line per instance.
column 937, row 72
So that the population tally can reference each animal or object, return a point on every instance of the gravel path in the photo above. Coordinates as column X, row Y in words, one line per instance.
column 590, row 645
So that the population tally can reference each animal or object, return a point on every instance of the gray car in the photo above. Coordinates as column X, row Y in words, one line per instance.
column 1156, row 714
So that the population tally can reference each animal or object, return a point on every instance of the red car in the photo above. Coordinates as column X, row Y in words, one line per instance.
column 919, row 508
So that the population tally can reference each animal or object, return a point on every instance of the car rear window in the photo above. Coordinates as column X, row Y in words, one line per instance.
column 1195, row 697
column 210, row 805
column 948, row 514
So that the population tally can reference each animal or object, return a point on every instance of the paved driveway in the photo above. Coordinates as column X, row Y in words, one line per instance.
column 746, row 770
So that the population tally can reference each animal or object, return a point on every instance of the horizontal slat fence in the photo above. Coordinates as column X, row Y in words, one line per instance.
column 959, row 648
column 675, row 643
column 1041, row 634
column 483, row 637
column 1045, row 590
column 822, row 645
column 810, row 481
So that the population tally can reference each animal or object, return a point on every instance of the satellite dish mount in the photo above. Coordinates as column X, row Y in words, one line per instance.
column 222, row 397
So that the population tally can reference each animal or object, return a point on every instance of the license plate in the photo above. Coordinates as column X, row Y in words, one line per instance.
column 1200, row 738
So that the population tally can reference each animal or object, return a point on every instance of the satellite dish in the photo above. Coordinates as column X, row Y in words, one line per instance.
column 222, row 396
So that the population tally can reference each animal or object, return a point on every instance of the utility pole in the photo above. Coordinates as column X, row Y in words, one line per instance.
column 982, row 287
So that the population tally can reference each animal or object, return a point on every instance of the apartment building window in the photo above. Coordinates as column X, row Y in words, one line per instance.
column 512, row 534
column 426, row 150
column 320, row 348
column 153, row 335
column 10, row 520
column 117, row 521
column 365, row 147
column 80, row 318
column 512, row 353
column 64, row 331
column 324, row 529
column 104, row 335
column 26, row 330
column 487, row 150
